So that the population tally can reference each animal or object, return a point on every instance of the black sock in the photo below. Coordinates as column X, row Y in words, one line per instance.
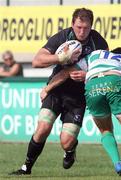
column 34, row 150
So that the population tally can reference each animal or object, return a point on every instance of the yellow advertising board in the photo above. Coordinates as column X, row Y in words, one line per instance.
column 26, row 29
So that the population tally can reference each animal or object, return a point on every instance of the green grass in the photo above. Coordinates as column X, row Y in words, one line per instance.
column 92, row 163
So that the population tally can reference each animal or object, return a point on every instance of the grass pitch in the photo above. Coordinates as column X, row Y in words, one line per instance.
column 92, row 163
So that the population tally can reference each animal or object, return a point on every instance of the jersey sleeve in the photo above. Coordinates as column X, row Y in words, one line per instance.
column 55, row 41
column 52, row 44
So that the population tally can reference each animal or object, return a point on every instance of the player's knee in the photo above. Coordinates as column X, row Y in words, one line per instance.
column 45, row 122
column 69, row 135
column 42, row 131
column 44, row 128
column 67, row 143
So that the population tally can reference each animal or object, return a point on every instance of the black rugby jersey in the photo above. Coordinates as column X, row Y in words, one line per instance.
column 95, row 41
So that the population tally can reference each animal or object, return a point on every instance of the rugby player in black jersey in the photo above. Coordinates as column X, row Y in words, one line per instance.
column 66, row 100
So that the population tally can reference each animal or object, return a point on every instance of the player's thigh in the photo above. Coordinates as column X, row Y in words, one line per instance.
column 115, row 103
column 73, row 110
column 104, row 123
column 53, row 103
column 96, row 98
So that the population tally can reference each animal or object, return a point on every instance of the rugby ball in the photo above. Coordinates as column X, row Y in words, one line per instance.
column 72, row 45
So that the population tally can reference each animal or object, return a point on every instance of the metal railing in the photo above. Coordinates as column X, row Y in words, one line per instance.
column 57, row 2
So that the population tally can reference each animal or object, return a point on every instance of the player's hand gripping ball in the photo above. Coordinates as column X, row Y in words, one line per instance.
column 69, row 52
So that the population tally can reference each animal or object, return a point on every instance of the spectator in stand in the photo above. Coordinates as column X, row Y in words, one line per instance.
column 10, row 66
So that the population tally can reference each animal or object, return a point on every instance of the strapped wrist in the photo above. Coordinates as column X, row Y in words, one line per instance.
column 65, row 57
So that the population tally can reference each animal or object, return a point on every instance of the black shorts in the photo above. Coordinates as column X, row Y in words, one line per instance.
column 70, row 107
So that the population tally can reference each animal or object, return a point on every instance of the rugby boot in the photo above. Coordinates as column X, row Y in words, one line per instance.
column 22, row 171
column 69, row 157
column 118, row 168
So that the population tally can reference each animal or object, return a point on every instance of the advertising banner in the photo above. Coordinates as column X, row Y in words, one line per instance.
column 19, row 107
column 26, row 29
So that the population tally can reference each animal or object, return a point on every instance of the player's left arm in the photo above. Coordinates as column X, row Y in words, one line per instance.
column 72, row 72
column 80, row 70
column 58, row 79
column 78, row 75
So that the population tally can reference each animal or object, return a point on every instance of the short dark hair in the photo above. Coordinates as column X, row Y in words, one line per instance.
column 84, row 14
column 116, row 50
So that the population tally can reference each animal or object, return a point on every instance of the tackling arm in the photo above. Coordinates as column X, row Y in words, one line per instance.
column 58, row 79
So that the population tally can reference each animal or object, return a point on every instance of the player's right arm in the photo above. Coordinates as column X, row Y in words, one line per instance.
column 45, row 59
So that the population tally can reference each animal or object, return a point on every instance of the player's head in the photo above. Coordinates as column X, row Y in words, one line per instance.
column 8, row 58
column 82, row 20
column 116, row 50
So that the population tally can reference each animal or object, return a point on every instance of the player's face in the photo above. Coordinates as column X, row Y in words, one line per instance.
column 81, row 29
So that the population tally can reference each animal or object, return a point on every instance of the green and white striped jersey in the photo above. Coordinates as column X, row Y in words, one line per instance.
column 99, row 61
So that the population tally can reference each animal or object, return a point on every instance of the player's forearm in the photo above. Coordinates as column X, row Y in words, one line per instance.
column 58, row 79
column 45, row 60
